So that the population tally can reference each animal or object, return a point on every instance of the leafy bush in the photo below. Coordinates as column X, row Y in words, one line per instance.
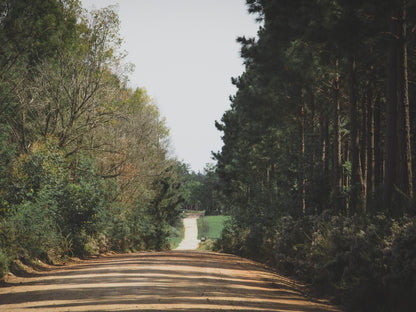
column 368, row 263
column 43, row 169
column 177, row 234
column 56, row 204
column 60, row 206
column 7, row 151
column 117, row 227
column 401, row 279
column 232, row 239
column 79, row 204
column 4, row 262
column 30, row 230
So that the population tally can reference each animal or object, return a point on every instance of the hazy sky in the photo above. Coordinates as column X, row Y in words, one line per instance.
column 185, row 54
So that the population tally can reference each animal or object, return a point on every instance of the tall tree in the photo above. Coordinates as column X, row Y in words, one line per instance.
column 398, row 149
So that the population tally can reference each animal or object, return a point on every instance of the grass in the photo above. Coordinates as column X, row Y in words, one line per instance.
column 178, row 233
column 211, row 227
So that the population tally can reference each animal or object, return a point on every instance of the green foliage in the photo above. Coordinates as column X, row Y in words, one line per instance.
column 401, row 279
column 7, row 153
column 4, row 262
column 232, row 239
column 38, row 172
column 52, row 202
column 310, row 148
column 165, row 209
column 33, row 28
column 115, row 224
column 368, row 263
column 83, row 158
column 80, row 201
column 31, row 232
column 202, row 191
column 177, row 234
column 61, row 208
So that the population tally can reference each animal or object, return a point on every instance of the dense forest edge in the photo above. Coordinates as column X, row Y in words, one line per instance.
column 85, row 160
column 316, row 167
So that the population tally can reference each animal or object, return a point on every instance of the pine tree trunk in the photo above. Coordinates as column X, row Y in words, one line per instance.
column 324, row 163
column 391, row 135
column 313, row 147
column 346, row 176
column 357, row 204
column 364, row 146
column 302, row 151
column 371, row 145
column 398, row 165
column 321, row 166
column 405, row 174
column 327, row 149
column 337, row 170
column 378, row 148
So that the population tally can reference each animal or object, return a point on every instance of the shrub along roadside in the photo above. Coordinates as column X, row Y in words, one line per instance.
column 53, row 208
column 60, row 207
column 4, row 262
column 368, row 263
column 177, row 234
column 84, row 159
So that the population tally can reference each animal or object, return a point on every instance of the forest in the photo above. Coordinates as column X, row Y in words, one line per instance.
column 316, row 166
column 84, row 159
column 315, row 170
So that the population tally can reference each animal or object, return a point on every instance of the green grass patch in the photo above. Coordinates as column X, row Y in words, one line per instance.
column 211, row 227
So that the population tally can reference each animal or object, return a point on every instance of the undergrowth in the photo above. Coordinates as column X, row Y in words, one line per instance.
column 368, row 263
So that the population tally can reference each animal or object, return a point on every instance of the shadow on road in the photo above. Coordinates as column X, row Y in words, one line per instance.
column 166, row 281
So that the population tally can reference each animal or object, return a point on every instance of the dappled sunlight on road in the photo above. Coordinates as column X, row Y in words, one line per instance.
column 166, row 281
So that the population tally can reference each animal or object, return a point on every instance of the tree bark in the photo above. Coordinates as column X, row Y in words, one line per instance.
column 364, row 145
column 346, row 176
column 357, row 200
column 313, row 147
column 324, row 163
column 302, row 152
column 371, row 145
column 398, row 165
column 405, row 174
column 378, row 148
column 337, row 170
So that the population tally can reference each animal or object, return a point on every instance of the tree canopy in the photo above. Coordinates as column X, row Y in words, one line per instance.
column 84, row 165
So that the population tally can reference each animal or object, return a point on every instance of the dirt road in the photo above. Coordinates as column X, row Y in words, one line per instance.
column 159, row 281
column 190, row 241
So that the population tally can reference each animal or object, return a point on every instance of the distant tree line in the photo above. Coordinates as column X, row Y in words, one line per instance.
column 84, row 164
column 316, row 166
column 201, row 192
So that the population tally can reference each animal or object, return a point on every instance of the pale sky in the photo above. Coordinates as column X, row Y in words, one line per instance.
column 185, row 53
